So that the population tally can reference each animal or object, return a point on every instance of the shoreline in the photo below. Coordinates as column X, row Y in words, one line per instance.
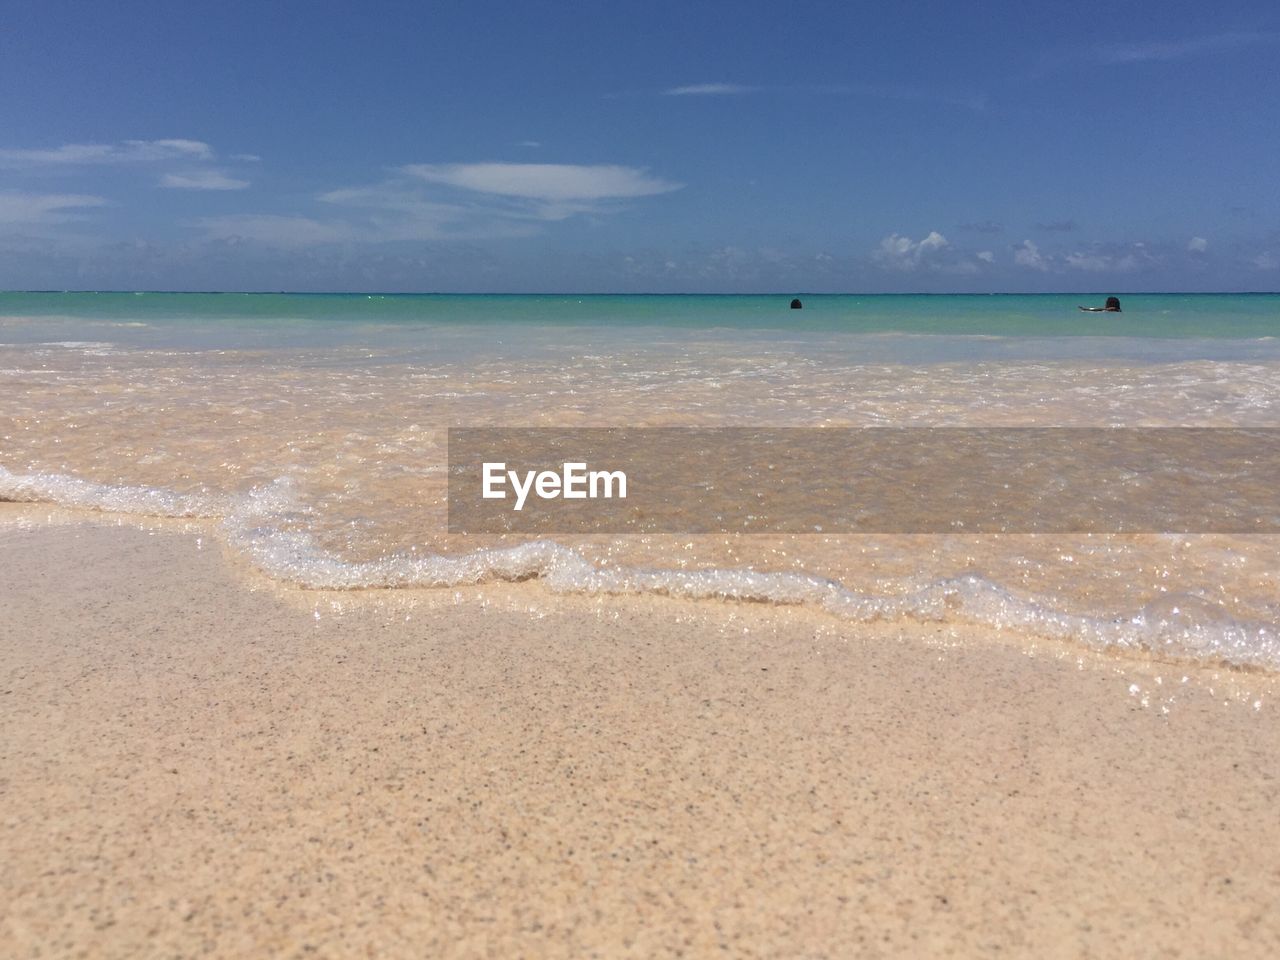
column 553, row 572
column 201, row 761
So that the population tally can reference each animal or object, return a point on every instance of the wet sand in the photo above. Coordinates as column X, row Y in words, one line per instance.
column 198, row 762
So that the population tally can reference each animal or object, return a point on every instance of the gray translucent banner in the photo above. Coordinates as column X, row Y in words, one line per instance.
column 870, row 480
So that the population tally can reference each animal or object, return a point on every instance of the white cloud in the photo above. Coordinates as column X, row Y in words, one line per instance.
column 530, row 144
column 191, row 158
column 500, row 200
column 966, row 99
column 391, row 195
column 162, row 149
column 986, row 256
column 1197, row 244
column 1100, row 258
column 127, row 151
column 1029, row 255
column 202, row 180
column 363, row 225
column 1113, row 258
column 708, row 90
column 276, row 231
column 1100, row 262
column 17, row 206
column 902, row 253
column 246, row 157
column 1266, row 261
column 934, row 253
column 545, row 181
column 403, row 210
column 1179, row 49
column 185, row 163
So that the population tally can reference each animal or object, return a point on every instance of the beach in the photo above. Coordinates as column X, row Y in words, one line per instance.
column 199, row 766
column 260, row 699
column 639, row 481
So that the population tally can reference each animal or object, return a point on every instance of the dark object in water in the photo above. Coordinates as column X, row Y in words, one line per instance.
column 797, row 305
column 1113, row 306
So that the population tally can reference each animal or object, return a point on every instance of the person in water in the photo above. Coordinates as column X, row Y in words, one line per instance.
column 1113, row 306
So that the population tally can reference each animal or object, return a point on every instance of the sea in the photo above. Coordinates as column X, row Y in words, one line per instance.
column 309, row 433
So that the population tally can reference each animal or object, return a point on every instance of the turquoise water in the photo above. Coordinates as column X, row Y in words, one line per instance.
column 310, row 432
column 1218, row 316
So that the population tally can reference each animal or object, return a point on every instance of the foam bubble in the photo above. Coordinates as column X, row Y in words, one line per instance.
column 74, row 492
column 268, row 525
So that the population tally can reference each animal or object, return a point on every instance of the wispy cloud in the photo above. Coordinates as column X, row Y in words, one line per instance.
column 188, row 161
column 545, row 181
column 369, row 215
column 277, row 231
column 450, row 202
column 1146, row 51
column 181, row 164
column 403, row 209
column 1094, row 262
column 1099, row 258
column 1059, row 226
column 202, row 180
column 1197, row 244
column 708, row 90
column 1114, row 258
column 126, row 151
column 981, row 226
column 19, row 207
column 967, row 99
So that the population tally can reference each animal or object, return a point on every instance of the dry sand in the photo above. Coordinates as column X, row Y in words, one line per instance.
column 196, row 762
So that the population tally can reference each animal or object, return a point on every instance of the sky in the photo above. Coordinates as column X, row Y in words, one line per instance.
column 639, row 146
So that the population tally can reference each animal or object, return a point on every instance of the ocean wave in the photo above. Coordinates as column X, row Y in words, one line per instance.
column 267, row 525
column 114, row 498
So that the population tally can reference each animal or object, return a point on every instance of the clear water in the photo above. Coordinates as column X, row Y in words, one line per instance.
column 1206, row 316
column 310, row 431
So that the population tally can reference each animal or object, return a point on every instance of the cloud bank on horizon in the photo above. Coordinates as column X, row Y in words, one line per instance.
column 816, row 153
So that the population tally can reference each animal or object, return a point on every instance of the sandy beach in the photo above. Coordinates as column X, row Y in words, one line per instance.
column 200, row 762
column 535, row 481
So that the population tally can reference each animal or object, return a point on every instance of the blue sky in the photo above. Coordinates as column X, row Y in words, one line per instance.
column 652, row 146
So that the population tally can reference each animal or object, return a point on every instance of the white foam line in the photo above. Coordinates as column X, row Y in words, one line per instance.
column 256, row 525
column 73, row 492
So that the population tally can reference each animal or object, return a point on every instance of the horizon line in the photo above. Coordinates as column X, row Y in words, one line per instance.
column 620, row 293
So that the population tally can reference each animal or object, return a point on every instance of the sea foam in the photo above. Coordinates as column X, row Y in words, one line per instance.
column 267, row 525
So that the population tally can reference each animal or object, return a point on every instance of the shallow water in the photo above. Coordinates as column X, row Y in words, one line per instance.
column 319, row 446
